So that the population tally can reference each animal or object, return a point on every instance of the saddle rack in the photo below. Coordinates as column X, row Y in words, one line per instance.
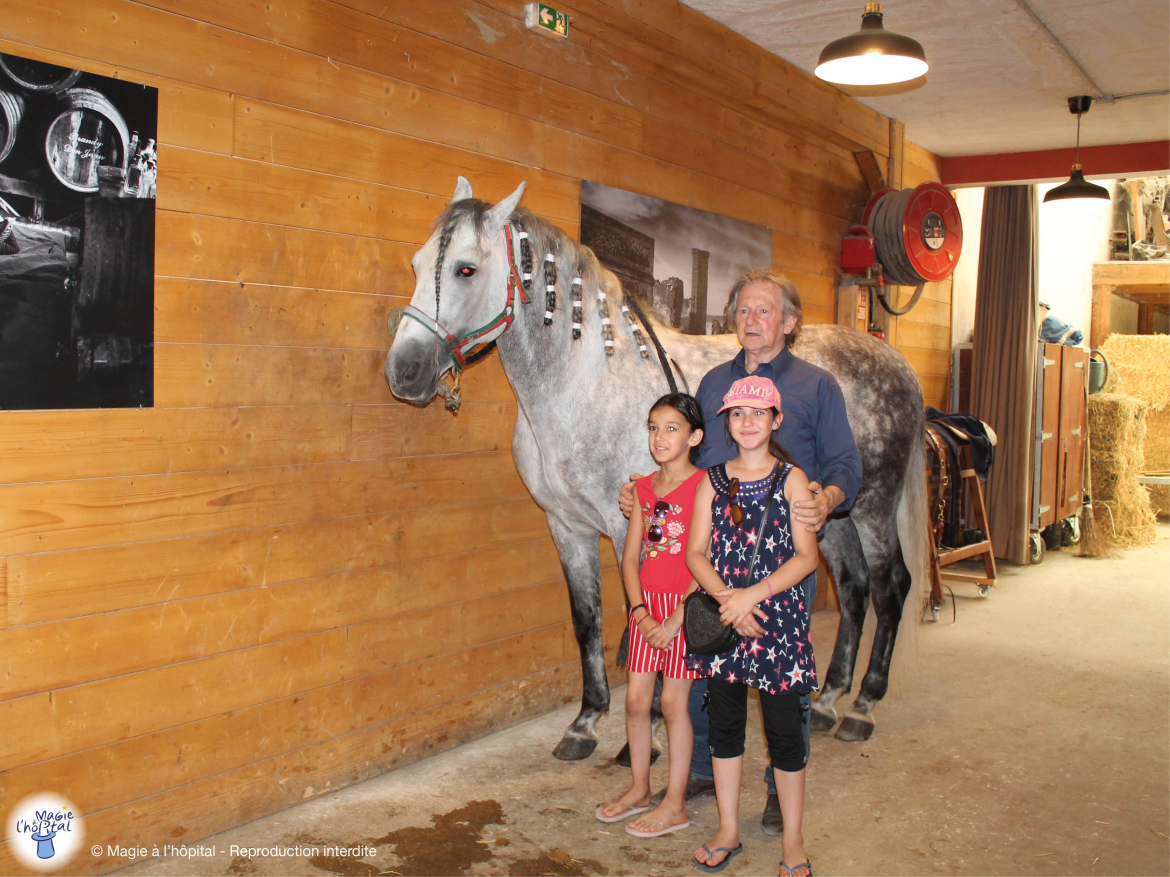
column 972, row 490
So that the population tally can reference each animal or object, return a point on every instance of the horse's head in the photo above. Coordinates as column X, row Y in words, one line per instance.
column 462, row 296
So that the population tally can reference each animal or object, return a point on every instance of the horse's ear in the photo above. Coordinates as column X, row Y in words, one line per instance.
column 498, row 215
column 462, row 190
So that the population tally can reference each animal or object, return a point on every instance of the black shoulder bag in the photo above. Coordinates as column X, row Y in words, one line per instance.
column 704, row 629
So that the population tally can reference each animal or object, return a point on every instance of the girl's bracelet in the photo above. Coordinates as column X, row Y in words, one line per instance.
column 634, row 609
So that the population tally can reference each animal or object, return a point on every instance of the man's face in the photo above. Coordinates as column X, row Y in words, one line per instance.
column 760, row 323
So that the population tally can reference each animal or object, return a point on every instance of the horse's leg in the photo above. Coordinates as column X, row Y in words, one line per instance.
column 581, row 562
column 843, row 553
column 890, row 583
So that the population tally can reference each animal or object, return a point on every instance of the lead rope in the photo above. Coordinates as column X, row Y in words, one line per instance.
column 663, row 359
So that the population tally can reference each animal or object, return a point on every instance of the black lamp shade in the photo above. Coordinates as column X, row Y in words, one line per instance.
column 1076, row 187
column 872, row 56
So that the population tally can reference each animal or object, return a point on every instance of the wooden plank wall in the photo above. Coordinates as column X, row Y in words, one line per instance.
column 279, row 581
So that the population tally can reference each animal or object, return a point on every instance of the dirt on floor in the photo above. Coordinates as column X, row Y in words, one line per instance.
column 1032, row 737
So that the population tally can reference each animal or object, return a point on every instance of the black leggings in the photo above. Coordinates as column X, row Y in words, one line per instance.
column 785, row 724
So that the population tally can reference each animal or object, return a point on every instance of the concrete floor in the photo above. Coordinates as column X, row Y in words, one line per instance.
column 1032, row 738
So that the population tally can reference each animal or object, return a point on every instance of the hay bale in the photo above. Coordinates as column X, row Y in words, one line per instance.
column 1157, row 457
column 1139, row 366
column 1121, row 506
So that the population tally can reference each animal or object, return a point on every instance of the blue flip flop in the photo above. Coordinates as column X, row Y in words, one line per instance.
column 712, row 869
column 784, row 865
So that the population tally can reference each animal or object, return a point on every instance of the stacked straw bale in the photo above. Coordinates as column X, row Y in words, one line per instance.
column 1122, row 517
column 1140, row 367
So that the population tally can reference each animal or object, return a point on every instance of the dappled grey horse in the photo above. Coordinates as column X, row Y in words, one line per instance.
column 585, row 374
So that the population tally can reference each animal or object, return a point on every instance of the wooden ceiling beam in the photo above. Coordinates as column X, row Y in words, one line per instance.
column 1145, row 294
column 1053, row 165
column 870, row 166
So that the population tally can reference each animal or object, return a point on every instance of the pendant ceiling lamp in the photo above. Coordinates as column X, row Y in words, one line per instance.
column 872, row 56
column 1077, row 186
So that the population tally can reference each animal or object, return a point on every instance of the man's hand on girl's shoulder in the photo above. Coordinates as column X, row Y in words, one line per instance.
column 626, row 495
column 813, row 512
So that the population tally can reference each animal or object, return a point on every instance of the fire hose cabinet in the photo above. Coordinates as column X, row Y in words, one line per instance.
column 858, row 250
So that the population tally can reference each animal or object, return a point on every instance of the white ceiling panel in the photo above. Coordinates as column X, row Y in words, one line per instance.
column 997, row 81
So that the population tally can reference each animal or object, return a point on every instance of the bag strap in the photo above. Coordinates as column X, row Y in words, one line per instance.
column 781, row 469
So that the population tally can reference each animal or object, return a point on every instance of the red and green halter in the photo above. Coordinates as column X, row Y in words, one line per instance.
column 462, row 347
column 475, row 343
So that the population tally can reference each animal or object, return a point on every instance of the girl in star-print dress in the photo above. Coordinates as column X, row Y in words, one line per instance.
column 741, row 509
column 782, row 659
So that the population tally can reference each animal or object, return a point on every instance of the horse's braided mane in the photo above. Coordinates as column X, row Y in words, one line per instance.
column 543, row 236
column 576, row 264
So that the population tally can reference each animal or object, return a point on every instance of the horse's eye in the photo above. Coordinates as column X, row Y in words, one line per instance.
column 466, row 271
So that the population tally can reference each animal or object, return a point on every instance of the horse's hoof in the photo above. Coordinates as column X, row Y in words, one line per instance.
column 574, row 748
column 623, row 757
column 822, row 719
column 856, row 728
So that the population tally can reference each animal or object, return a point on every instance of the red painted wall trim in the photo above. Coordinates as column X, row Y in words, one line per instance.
column 1054, row 165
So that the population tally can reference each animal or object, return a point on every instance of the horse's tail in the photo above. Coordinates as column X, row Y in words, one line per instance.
column 913, row 531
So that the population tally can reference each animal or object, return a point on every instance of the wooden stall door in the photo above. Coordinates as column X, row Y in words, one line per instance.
column 1050, row 359
column 1074, row 366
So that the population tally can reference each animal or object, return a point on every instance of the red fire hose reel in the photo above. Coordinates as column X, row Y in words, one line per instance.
column 908, row 238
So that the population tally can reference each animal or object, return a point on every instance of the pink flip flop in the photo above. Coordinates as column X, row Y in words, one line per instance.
column 617, row 817
column 669, row 829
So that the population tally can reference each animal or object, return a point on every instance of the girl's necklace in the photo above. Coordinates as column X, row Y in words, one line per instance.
column 752, row 474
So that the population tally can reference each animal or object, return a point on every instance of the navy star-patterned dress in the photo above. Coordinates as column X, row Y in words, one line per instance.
column 780, row 661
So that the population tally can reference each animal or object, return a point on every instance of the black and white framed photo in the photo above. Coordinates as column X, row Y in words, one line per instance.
column 679, row 261
column 78, row 171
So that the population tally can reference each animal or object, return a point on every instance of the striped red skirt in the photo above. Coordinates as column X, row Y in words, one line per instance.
column 644, row 658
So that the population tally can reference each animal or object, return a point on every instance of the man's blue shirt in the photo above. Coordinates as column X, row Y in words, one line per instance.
column 815, row 431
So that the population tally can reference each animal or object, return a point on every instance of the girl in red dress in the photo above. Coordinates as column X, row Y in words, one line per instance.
column 655, row 572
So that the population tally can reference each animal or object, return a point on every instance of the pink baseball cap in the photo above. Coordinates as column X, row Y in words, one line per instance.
column 752, row 392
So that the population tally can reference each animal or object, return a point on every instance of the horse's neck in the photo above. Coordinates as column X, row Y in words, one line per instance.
column 541, row 367
column 542, row 362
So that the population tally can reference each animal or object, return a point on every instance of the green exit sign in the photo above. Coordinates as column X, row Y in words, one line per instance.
column 542, row 17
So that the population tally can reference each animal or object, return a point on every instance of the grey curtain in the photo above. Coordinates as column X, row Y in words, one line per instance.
column 1003, row 367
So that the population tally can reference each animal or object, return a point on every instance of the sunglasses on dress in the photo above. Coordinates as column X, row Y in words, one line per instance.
column 736, row 510
column 656, row 533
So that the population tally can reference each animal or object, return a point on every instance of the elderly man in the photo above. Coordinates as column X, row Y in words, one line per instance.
column 815, row 432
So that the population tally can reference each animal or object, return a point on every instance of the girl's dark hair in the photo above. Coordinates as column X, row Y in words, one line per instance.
column 688, row 407
column 774, row 447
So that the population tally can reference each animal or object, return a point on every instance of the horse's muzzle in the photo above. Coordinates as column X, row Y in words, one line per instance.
column 411, row 372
